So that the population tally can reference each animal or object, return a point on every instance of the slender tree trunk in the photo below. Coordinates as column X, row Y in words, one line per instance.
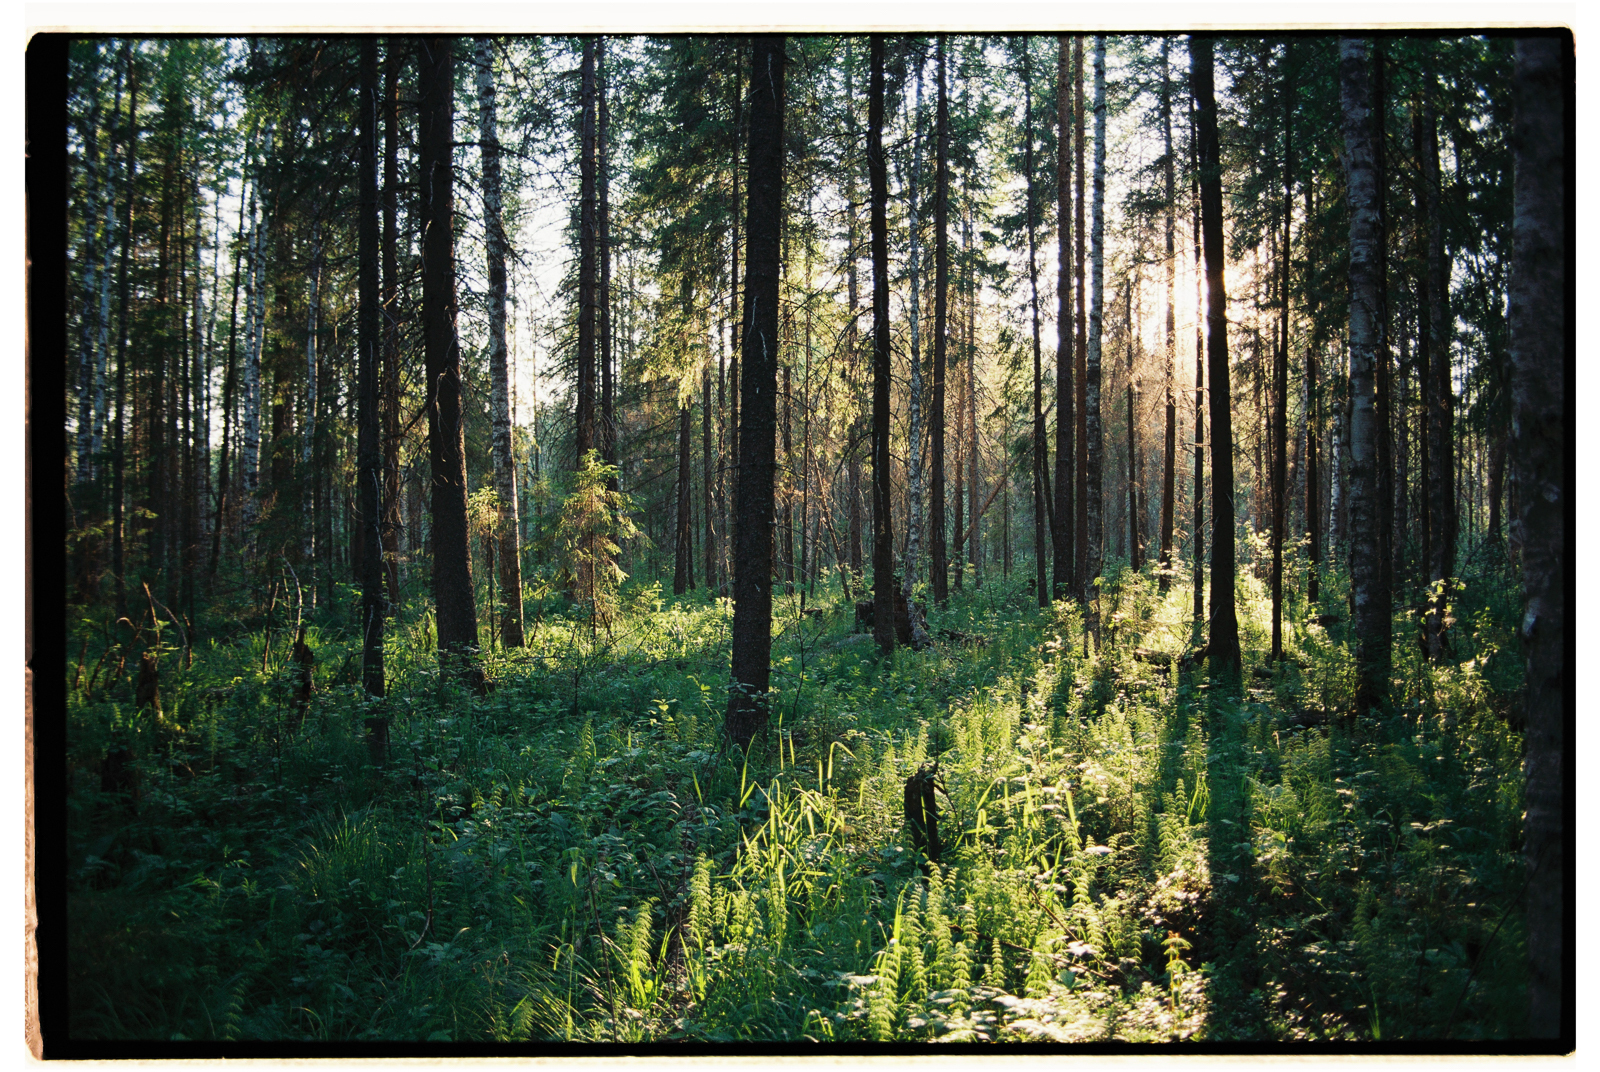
column 369, row 454
column 1041, row 580
column 1280, row 369
column 708, row 463
column 1224, row 625
column 883, row 580
column 229, row 389
column 1441, row 463
column 390, row 390
column 1541, row 327
column 118, row 460
column 682, row 559
column 607, row 432
column 941, row 285
column 308, row 436
column 786, row 493
column 1313, row 431
column 1134, row 476
column 1170, row 443
column 452, row 559
column 1401, row 505
column 89, row 355
column 1081, row 559
column 752, row 569
column 1061, row 531
column 1372, row 619
column 255, row 332
column 584, row 418
column 734, row 390
column 974, row 551
column 913, row 547
column 1381, row 376
column 852, row 333
column 1094, row 451
column 1199, row 583
column 509, row 552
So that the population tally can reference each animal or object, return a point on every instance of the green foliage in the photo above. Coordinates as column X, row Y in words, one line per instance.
column 593, row 519
column 570, row 857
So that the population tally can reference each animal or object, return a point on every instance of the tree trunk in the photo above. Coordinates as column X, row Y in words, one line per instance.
column 452, row 559
column 734, row 390
column 1134, row 476
column 1313, row 425
column 1080, row 522
column 1280, row 367
column 1441, row 463
column 683, row 553
column 308, row 435
column 390, row 390
column 1380, row 372
column 1094, row 448
column 974, row 550
column 1199, row 377
column 883, row 580
column 1223, row 640
column 584, row 440
column 939, row 567
column 505, row 466
column 787, row 469
column 1170, row 442
column 852, row 336
column 1372, row 617
column 913, row 548
column 1062, row 531
column 1541, row 356
column 708, row 479
column 1041, row 580
column 607, row 430
column 369, row 455
column 752, row 561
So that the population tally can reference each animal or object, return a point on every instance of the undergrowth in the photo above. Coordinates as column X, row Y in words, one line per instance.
column 1128, row 854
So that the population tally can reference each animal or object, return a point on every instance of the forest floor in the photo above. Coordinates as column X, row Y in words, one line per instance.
column 1128, row 853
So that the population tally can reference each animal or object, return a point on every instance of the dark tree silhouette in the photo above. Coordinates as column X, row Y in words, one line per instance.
column 1541, row 360
column 1223, row 639
column 452, row 559
column 752, row 560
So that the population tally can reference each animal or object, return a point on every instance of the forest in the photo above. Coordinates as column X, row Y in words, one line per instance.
column 857, row 539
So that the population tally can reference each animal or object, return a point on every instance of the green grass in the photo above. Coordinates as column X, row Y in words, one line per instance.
column 1129, row 854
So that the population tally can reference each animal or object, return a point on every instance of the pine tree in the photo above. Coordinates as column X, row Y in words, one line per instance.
column 1541, row 326
column 883, row 579
column 1223, row 640
column 369, row 462
column 752, row 561
column 452, row 557
column 1062, row 530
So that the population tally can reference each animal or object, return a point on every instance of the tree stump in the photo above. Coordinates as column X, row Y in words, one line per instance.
column 922, row 811
column 147, row 691
column 305, row 661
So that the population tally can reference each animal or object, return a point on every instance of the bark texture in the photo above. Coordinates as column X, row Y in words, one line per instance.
column 1093, row 446
column 508, row 553
column 752, row 560
column 1541, row 364
column 1223, row 639
column 369, row 455
column 1371, row 598
column 883, row 581
column 452, row 560
column 939, row 567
